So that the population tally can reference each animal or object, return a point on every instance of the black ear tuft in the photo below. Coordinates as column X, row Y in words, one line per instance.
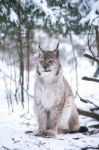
column 41, row 48
column 57, row 45
column 40, row 53
column 56, row 51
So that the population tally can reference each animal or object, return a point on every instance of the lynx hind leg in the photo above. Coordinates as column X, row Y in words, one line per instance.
column 69, row 125
column 69, row 121
column 63, row 125
column 74, row 124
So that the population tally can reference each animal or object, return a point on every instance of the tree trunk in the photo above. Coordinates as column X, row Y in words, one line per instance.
column 97, row 39
column 97, row 46
column 21, row 58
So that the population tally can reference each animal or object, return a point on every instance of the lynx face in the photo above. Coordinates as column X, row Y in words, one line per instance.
column 48, row 62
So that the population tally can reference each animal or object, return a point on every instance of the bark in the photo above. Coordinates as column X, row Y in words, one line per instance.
column 97, row 45
column 97, row 39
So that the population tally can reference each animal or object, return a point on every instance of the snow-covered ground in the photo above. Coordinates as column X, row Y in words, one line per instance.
column 14, row 125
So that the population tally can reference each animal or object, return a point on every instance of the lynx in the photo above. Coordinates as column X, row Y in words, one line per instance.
column 53, row 98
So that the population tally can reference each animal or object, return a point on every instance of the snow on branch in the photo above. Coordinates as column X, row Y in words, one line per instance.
column 91, row 57
column 88, row 10
column 13, row 16
column 44, row 6
column 93, row 16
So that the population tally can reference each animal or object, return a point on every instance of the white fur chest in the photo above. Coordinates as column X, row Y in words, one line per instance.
column 48, row 98
column 48, row 95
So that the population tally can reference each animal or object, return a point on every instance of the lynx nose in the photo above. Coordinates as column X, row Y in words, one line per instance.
column 45, row 67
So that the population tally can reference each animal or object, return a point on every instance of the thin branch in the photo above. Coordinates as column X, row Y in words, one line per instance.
column 94, row 109
column 7, row 76
column 88, row 114
column 14, row 62
column 90, row 79
column 94, row 126
column 5, row 148
column 91, row 57
column 90, row 147
column 86, row 101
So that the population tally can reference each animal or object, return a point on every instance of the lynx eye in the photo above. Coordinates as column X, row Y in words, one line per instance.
column 41, row 61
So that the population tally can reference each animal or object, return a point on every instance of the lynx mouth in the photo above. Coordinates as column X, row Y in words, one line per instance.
column 47, row 70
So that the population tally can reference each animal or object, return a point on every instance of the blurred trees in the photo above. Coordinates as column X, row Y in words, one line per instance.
column 89, row 12
column 57, row 17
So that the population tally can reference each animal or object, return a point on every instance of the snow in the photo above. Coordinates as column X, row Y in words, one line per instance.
column 4, row 10
column 89, row 11
column 13, row 125
column 13, row 16
column 39, row 4
column 43, row 5
column 13, row 136
column 74, row 2
column 92, row 17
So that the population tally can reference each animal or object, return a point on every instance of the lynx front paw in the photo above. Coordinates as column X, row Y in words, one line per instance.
column 47, row 133
column 50, row 133
column 39, row 132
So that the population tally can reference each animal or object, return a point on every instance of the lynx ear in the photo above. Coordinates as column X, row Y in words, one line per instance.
column 41, row 48
column 56, row 51
column 57, row 45
column 40, row 51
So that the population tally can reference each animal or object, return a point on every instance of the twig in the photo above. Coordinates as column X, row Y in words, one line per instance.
column 7, row 75
column 88, row 101
column 90, row 79
column 94, row 126
column 6, row 148
column 94, row 109
column 90, row 147
column 91, row 57
column 88, row 114
column 14, row 80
